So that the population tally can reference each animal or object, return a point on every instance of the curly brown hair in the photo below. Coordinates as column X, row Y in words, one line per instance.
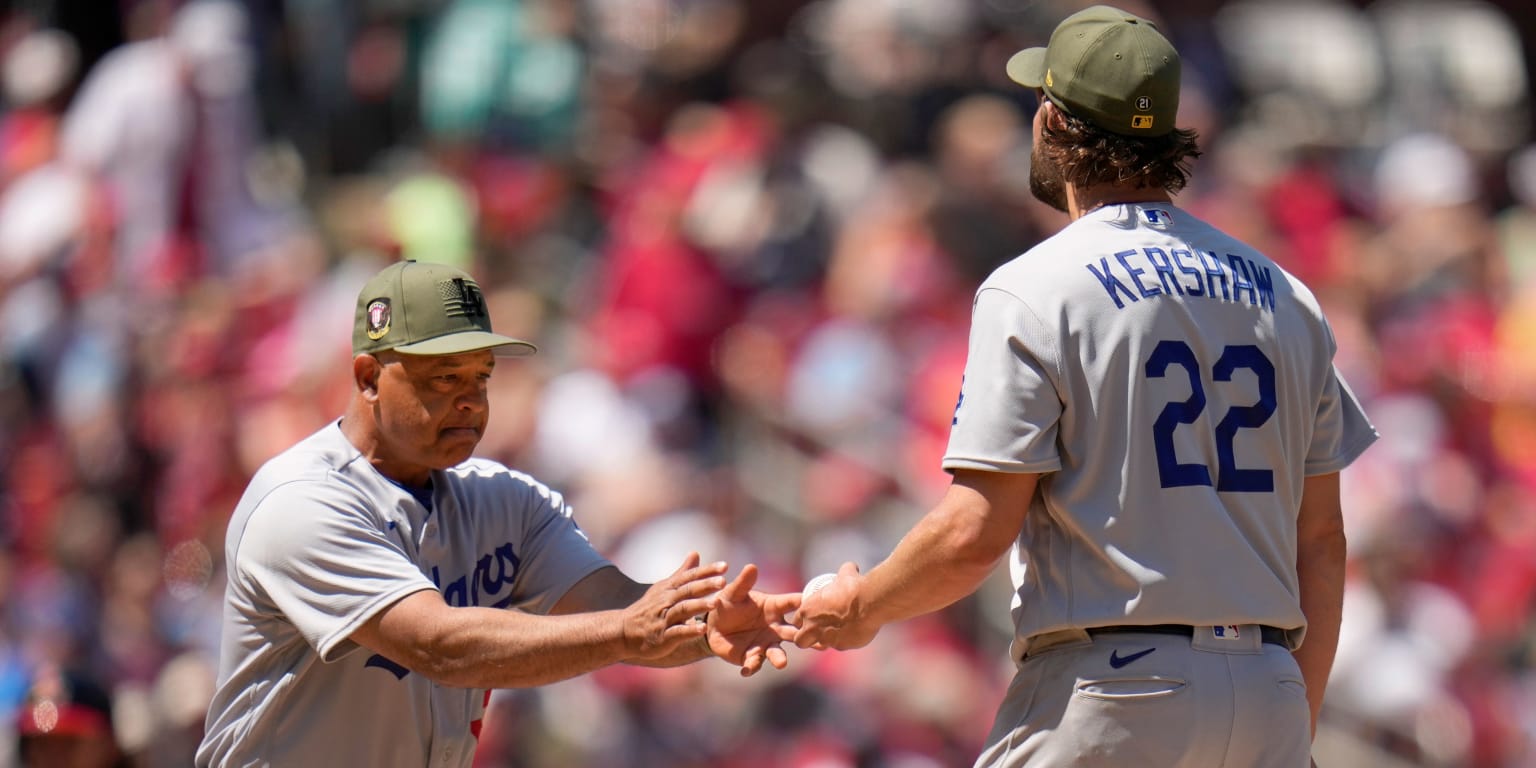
column 1087, row 155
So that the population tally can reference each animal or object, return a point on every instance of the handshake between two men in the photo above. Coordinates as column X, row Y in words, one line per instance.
column 742, row 625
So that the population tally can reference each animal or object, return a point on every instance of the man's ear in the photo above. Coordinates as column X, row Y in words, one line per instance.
column 366, row 370
column 1053, row 116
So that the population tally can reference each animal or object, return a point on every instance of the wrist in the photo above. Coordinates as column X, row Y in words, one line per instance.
column 702, row 641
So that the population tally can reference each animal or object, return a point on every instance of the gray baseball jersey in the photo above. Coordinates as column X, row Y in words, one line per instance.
column 1175, row 386
column 321, row 542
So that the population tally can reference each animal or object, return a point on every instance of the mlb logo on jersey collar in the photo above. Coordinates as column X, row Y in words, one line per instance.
column 1157, row 217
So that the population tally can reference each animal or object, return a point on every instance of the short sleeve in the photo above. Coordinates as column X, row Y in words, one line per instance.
column 1341, row 431
column 324, row 562
column 1007, row 416
column 557, row 554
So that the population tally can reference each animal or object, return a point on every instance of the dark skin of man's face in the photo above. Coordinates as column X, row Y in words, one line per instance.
column 431, row 411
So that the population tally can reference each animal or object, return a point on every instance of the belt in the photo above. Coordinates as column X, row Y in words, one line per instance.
column 1271, row 635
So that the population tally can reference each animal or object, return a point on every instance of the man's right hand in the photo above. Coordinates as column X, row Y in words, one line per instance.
column 663, row 618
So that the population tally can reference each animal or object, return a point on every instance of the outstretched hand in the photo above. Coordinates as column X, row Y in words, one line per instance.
column 663, row 618
column 833, row 616
column 747, row 627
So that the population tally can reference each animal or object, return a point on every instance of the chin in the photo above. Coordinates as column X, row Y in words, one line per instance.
column 457, row 452
column 454, row 456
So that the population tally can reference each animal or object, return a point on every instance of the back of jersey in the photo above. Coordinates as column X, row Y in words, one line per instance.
column 1176, row 386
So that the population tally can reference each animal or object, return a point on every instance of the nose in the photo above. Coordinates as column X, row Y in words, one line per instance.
column 474, row 399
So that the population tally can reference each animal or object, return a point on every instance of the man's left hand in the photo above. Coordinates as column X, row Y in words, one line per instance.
column 748, row 627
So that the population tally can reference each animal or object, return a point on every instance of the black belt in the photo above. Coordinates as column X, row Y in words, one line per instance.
column 1271, row 635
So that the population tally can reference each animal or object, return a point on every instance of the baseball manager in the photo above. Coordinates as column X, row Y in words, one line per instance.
column 381, row 580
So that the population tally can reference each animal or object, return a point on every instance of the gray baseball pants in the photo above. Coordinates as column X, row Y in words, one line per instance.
column 1203, row 701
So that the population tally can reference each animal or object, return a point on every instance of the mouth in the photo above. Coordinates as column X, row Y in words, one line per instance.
column 461, row 432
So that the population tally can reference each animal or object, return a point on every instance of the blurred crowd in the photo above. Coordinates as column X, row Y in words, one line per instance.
column 745, row 236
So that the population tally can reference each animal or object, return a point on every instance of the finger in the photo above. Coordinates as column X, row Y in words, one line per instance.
column 781, row 605
column 805, row 638
column 785, row 632
column 691, row 560
column 752, row 662
column 740, row 588
column 685, row 575
column 777, row 657
column 849, row 570
column 691, row 570
column 686, row 610
column 709, row 586
column 687, row 630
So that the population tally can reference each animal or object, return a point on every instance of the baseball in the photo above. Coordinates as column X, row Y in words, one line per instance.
column 814, row 585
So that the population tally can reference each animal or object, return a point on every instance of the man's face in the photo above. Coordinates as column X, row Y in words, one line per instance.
column 432, row 410
column 1045, row 178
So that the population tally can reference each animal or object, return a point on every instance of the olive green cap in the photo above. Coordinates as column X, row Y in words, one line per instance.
column 427, row 309
column 1109, row 67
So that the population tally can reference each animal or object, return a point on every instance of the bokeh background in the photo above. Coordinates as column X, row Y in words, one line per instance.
column 745, row 235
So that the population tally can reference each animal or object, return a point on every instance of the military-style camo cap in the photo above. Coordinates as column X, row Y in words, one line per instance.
column 1108, row 67
column 427, row 309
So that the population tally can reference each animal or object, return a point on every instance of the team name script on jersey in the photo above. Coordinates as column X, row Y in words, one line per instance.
column 493, row 572
column 1146, row 273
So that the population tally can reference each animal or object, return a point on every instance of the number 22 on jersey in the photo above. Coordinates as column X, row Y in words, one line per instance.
column 1229, row 477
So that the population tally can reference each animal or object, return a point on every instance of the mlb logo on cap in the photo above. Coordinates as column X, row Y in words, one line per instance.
column 1111, row 68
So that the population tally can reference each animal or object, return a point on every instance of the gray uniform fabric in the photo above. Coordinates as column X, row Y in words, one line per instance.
column 1174, row 386
column 319, row 543
column 1146, row 699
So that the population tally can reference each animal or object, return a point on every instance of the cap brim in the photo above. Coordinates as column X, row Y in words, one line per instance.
column 470, row 341
column 1027, row 67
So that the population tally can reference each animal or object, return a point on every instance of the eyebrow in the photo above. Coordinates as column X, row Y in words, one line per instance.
column 440, row 364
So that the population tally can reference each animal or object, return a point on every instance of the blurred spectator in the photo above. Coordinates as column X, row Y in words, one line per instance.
column 66, row 722
column 168, row 126
column 747, row 237
column 40, row 72
column 1403, row 640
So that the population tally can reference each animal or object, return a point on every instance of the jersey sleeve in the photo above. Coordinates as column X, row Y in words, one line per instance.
column 324, row 562
column 1007, row 417
column 1341, row 431
column 556, row 552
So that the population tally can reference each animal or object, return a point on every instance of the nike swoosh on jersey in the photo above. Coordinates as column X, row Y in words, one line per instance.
column 1117, row 661
column 395, row 669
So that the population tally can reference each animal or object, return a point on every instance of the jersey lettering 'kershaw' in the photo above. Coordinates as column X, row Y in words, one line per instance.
column 321, row 542
column 1169, row 379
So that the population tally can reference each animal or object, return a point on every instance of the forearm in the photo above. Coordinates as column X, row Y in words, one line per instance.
column 945, row 557
column 1320, row 570
column 942, row 559
column 496, row 648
